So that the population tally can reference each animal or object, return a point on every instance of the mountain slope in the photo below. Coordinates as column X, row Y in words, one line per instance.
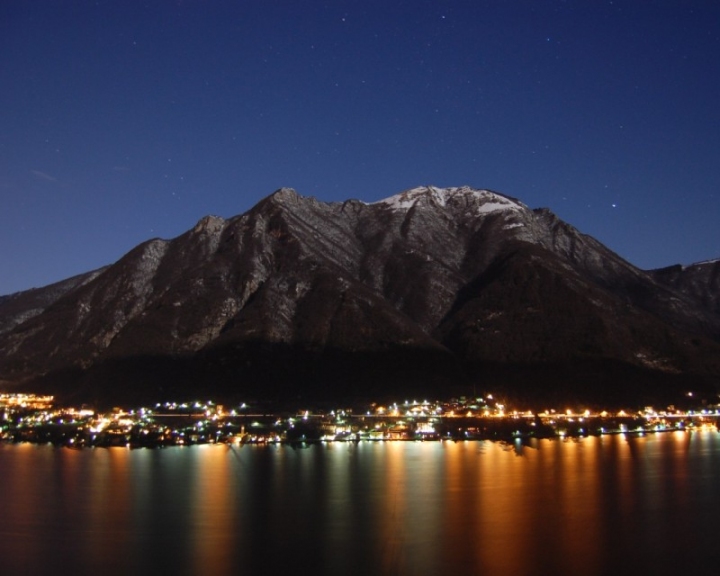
column 21, row 306
column 700, row 282
column 433, row 291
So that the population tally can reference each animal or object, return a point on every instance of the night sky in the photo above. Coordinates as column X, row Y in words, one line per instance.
column 121, row 121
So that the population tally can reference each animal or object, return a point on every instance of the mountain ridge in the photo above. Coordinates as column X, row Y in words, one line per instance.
column 433, row 289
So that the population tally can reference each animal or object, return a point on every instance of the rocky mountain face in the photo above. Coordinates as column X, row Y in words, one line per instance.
column 432, row 291
column 21, row 306
column 699, row 282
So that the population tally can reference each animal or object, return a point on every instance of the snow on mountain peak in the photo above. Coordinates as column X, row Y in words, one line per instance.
column 482, row 201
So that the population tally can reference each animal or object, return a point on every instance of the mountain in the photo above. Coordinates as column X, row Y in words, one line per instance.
column 21, row 306
column 432, row 291
column 700, row 282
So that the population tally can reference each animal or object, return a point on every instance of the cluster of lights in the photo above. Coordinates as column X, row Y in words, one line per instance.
column 28, row 417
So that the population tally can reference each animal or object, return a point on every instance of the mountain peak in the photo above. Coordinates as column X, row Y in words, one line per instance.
column 284, row 194
column 209, row 224
column 480, row 200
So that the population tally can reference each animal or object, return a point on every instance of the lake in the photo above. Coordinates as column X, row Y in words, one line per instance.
column 599, row 505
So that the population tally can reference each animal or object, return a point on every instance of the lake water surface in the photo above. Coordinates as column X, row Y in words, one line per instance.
column 600, row 505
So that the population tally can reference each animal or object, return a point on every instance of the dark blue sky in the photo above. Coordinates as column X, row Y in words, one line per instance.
column 126, row 120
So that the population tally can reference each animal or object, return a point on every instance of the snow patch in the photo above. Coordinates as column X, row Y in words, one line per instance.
column 655, row 361
column 481, row 201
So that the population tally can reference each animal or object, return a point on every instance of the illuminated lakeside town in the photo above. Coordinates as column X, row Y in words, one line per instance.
column 33, row 418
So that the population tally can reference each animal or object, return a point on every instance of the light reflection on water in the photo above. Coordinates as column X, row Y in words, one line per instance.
column 599, row 506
